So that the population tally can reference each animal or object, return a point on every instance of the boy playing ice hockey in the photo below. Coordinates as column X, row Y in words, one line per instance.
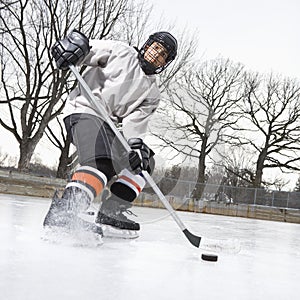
column 123, row 80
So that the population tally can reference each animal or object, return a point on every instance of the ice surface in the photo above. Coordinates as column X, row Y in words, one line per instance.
column 160, row 264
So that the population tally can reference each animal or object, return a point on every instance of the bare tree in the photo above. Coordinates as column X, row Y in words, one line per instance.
column 33, row 90
column 239, row 167
column 61, row 140
column 271, row 107
column 204, row 103
column 134, row 24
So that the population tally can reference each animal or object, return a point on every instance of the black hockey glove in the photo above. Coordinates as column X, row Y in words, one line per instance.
column 71, row 50
column 139, row 158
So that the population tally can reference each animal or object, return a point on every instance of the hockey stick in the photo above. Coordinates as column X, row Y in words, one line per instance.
column 195, row 240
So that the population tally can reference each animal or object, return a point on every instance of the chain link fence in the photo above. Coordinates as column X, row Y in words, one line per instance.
column 182, row 190
column 178, row 191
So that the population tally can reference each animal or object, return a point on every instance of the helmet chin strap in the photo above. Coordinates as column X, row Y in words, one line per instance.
column 147, row 67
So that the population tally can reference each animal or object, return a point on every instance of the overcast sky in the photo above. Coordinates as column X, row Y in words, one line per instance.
column 264, row 35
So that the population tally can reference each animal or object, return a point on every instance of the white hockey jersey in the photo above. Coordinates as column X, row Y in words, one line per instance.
column 118, row 82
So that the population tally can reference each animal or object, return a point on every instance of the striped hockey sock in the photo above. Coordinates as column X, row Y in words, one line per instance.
column 86, row 184
column 128, row 186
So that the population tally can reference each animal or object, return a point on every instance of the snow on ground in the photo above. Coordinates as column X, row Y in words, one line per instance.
column 161, row 264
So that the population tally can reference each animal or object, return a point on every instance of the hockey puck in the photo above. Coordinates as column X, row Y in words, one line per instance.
column 90, row 213
column 209, row 257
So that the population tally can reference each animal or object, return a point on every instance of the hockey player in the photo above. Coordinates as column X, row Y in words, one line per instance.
column 123, row 79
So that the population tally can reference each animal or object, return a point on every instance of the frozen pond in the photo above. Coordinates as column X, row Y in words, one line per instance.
column 160, row 264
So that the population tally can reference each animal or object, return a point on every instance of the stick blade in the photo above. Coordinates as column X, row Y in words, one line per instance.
column 194, row 239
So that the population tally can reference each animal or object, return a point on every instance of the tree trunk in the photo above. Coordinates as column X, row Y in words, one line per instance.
column 64, row 160
column 27, row 147
column 200, row 185
column 259, row 169
column 258, row 178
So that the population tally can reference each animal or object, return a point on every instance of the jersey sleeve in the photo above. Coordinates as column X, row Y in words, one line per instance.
column 99, row 54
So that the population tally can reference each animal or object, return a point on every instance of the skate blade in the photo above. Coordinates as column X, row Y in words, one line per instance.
column 112, row 232
column 74, row 238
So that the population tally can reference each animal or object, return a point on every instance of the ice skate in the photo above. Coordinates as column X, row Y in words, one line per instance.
column 62, row 216
column 113, row 221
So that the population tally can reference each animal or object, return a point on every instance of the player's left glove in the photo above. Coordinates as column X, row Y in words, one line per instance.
column 139, row 158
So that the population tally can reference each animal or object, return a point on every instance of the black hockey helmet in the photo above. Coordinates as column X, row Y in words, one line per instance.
column 168, row 41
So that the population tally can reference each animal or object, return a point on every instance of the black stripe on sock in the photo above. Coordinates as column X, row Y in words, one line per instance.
column 123, row 191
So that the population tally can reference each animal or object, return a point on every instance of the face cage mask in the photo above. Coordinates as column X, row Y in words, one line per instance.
column 148, row 67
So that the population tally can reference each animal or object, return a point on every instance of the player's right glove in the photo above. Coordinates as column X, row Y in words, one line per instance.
column 139, row 158
column 71, row 50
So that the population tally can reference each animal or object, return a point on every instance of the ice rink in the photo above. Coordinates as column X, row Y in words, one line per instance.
column 160, row 264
